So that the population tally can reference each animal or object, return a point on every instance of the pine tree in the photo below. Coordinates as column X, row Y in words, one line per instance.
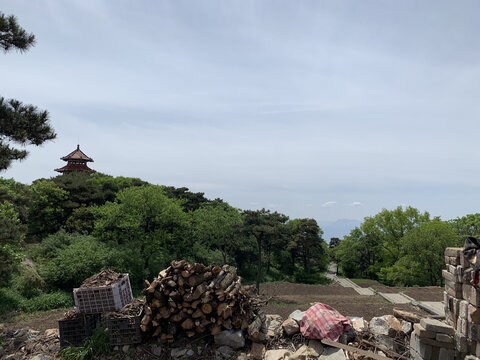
column 19, row 124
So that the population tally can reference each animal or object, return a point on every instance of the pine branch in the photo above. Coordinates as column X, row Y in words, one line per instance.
column 13, row 35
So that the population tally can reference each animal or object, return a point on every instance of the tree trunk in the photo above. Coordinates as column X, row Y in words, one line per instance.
column 259, row 264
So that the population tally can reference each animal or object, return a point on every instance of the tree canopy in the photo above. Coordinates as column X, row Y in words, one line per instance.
column 20, row 124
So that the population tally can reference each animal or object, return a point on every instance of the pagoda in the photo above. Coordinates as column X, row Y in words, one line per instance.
column 76, row 161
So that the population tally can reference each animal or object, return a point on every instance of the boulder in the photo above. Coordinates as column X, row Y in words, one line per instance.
column 359, row 324
column 42, row 357
column 331, row 353
column 290, row 327
column 178, row 352
column 272, row 326
column 297, row 315
column 232, row 338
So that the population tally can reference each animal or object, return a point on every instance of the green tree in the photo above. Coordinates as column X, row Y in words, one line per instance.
column 376, row 243
column 46, row 215
column 190, row 201
column 309, row 243
column 19, row 123
column 11, row 237
column 215, row 225
column 147, row 227
column 468, row 225
column 264, row 227
column 423, row 259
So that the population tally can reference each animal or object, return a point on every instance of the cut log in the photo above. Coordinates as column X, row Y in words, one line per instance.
column 178, row 264
column 216, row 270
column 195, row 303
column 221, row 308
column 228, row 279
column 188, row 324
column 197, row 314
column 190, row 333
column 215, row 330
column 164, row 312
column 206, row 308
column 178, row 316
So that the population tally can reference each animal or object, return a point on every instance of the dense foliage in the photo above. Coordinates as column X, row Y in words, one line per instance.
column 56, row 232
column 398, row 247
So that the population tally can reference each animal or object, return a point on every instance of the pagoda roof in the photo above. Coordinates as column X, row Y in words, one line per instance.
column 76, row 154
column 71, row 166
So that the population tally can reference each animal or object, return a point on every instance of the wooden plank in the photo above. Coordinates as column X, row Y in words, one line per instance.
column 368, row 354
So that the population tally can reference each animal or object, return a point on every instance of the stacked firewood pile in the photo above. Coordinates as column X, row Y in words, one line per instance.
column 194, row 299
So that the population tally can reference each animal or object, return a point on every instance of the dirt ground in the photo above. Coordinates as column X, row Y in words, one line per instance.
column 283, row 299
column 287, row 297
column 38, row 321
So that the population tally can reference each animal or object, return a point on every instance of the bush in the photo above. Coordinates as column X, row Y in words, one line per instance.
column 11, row 300
column 29, row 283
column 81, row 258
column 55, row 300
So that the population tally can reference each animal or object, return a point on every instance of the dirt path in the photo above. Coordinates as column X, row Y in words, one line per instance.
column 37, row 321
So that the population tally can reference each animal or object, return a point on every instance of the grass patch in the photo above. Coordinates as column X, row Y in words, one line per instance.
column 93, row 348
column 12, row 300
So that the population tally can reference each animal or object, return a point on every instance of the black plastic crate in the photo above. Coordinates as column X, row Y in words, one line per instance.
column 124, row 330
column 73, row 332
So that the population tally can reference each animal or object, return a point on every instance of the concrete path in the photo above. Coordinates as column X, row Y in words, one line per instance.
column 433, row 307
column 331, row 274
column 395, row 298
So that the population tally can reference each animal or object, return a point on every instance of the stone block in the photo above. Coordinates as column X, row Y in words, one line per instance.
column 257, row 351
column 448, row 276
column 290, row 326
column 421, row 332
column 453, row 251
column 470, row 311
column 461, row 342
column 446, row 354
column 471, row 294
column 232, row 338
column 436, row 343
column 436, row 326
column 462, row 326
column 459, row 273
column 463, row 309
column 444, row 338
column 452, row 269
column 456, row 293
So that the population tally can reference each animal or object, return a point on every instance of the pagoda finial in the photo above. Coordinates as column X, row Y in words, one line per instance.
column 78, row 146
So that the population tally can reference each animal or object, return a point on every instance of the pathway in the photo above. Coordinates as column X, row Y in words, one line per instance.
column 433, row 307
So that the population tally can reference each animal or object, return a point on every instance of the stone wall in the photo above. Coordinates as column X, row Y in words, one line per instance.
column 462, row 301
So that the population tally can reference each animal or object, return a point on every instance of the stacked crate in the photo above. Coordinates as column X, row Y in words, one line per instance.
column 462, row 301
column 90, row 304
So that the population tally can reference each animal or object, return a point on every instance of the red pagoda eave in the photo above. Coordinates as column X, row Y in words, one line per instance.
column 77, row 154
column 75, row 167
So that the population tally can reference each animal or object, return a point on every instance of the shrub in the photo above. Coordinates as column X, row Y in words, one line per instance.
column 81, row 258
column 29, row 283
column 55, row 300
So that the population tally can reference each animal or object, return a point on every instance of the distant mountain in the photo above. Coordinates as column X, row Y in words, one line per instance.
column 338, row 228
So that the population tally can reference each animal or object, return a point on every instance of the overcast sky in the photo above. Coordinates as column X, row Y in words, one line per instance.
column 324, row 109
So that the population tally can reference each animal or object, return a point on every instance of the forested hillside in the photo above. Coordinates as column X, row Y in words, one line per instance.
column 56, row 232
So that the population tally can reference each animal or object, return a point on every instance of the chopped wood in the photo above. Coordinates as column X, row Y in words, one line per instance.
column 206, row 308
column 188, row 324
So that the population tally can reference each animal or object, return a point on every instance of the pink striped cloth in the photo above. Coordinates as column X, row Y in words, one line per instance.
column 323, row 322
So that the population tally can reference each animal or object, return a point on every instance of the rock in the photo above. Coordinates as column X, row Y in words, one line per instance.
column 157, row 351
column 52, row 332
column 290, row 327
column 224, row 352
column 359, row 324
column 272, row 326
column 297, row 315
column 277, row 355
column 232, row 338
column 242, row 356
column 42, row 357
column 314, row 349
column 257, row 351
column 178, row 352
column 385, row 325
column 2, row 352
column 125, row 348
column 406, row 327
column 190, row 352
column 331, row 353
